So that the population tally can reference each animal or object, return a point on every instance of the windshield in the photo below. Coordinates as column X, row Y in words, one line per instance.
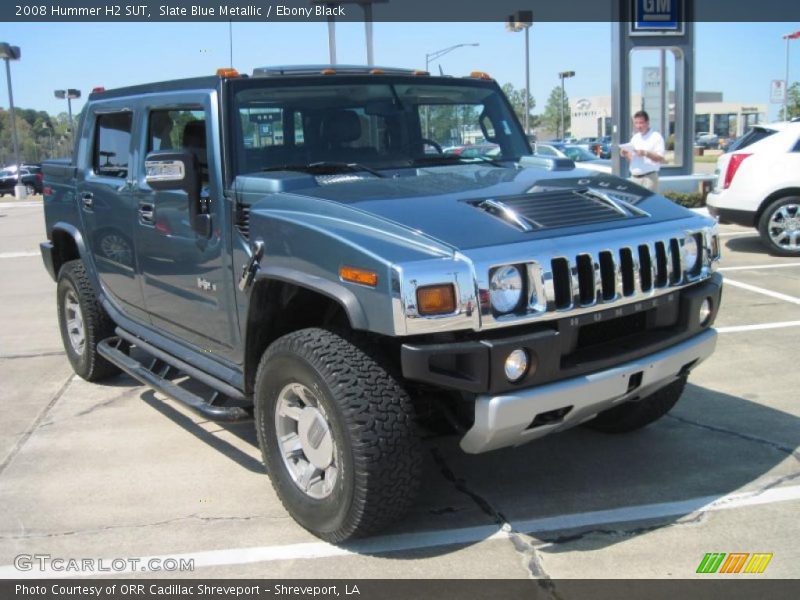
column 375, row 125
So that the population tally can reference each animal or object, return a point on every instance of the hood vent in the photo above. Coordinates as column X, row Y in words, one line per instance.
column 560, row 208
column 243, row 220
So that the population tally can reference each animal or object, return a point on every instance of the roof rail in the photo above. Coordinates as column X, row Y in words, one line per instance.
column 297, row 70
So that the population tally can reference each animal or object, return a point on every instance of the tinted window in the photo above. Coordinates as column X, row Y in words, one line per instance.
column 176, row 130
column 112, row 144
column 756, row 134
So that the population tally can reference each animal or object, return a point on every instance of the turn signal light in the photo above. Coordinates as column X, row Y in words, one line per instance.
column 361, row 276
column 328, row 71
column 377, row 72
column 436, row 300
column 421, row 73
column 227, row 72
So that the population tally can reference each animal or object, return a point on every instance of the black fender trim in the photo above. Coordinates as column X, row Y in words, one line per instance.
column 336, row 292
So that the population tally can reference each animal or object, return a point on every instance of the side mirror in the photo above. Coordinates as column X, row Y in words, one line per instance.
column 176, row 170
column 172, row 170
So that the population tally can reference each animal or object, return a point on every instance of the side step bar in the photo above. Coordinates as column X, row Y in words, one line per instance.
column 110, row 350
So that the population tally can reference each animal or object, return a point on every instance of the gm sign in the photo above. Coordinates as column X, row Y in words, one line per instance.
column 657, row 17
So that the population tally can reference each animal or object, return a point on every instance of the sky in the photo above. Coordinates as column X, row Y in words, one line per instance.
column 737, row 59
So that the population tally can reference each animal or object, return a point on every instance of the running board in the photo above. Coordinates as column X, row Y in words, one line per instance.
column 110, row 350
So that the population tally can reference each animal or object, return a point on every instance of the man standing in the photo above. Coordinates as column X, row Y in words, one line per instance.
column 647, row 152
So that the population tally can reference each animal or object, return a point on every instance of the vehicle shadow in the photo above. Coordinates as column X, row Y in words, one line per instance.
column 712, row 444
column 748, row 245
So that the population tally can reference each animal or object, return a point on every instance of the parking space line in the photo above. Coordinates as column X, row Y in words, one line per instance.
column 20, row 204
column 754, row 267
column 18, row 254
column 738, row 328
column 733, row 233
column 760, row 290
column 444, row 537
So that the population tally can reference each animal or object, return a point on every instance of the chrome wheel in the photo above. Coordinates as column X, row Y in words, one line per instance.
column 306, row 441
column 29, row 190
column 74, row 319
column 784, row 227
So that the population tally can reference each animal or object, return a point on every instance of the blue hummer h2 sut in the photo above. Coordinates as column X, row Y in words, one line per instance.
column 299, row 244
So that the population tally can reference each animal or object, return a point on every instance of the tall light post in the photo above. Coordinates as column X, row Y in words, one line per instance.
column 9, row 53
column 432, row 56
column 70, row 95
column 562, row 76
column 522, row 21
column 330, row 7
column 787, row 37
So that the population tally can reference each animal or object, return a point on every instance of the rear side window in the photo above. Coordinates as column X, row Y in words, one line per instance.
column 756, row 134
column 112, row 144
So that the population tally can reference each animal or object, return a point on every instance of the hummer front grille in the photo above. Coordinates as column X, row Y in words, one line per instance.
column 609, row 275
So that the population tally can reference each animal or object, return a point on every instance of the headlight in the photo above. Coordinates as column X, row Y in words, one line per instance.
column 691, row 254
column 505, row 288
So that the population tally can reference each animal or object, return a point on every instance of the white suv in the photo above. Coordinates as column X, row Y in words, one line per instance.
column 758, row 185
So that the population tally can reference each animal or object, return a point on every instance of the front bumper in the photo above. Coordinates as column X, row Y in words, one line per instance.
column 563, row 349
column 516, row 418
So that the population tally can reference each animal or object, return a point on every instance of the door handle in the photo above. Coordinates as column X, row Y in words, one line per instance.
column 87, row 199
column 147, row 213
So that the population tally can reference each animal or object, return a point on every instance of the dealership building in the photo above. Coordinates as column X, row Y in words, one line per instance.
column 591, row 115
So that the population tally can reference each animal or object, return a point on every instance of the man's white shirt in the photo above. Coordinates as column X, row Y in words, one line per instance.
column 649, row 142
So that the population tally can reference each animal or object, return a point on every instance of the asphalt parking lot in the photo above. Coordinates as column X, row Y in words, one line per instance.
column 115, row 471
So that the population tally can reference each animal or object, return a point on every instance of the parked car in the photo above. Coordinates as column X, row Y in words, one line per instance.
column 758, row 185
column 706, row 140
column 29, row 175
column 471, row 150
column 579, row 154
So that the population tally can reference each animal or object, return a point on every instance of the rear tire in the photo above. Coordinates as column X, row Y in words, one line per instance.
column 337, row 434
column 779, row 226
column 83, row 323
column 631, row 416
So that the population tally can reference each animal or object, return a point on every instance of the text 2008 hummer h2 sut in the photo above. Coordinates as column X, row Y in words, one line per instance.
column 298, row 243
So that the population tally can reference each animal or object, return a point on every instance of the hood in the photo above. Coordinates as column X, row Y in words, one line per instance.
column 466, row 206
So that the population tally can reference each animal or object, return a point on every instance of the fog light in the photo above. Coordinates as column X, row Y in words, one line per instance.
column 516, row 365
column 705, row 312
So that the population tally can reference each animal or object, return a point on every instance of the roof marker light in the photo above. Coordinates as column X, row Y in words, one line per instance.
column 227, row 72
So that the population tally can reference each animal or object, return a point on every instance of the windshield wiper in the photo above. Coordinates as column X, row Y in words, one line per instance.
column 323, row 165
column 447, row 159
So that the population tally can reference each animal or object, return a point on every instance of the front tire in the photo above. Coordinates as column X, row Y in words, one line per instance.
column 83, row 323
column 337, row 435
column 779, row 226
column 631, row 416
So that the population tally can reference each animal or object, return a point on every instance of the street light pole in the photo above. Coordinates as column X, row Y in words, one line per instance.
column 523, row 19
column 70, row 94
column 563, row 75
column 10, row 53
column 787, row 37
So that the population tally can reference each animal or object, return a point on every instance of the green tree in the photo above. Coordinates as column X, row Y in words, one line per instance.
column 792, row 102
column 551, row 118
column 517, row 99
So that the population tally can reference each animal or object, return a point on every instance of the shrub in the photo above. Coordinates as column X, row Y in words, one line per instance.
column 690, row 200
